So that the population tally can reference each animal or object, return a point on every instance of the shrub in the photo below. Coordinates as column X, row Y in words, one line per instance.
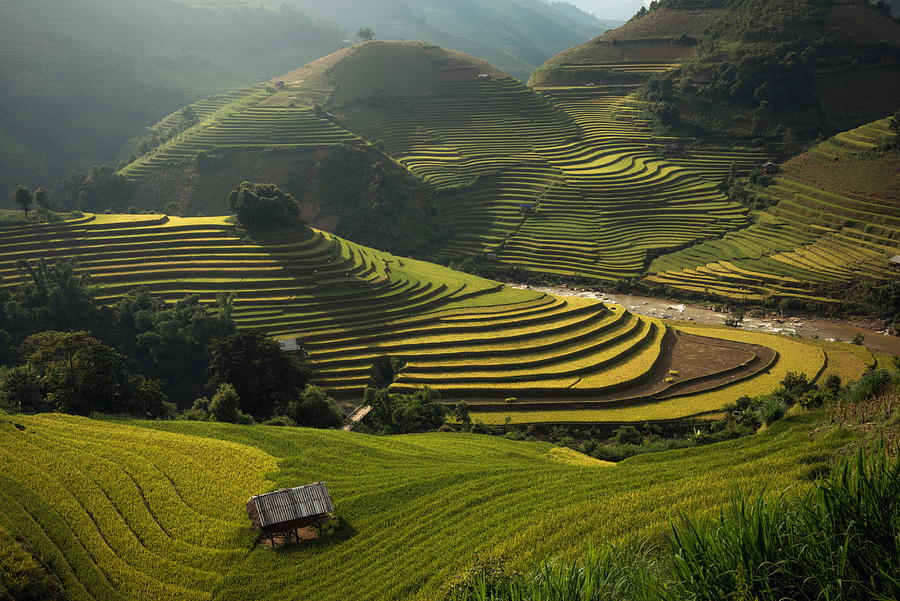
column 225, row 406
column 871, row 384
column 771, row 409
column 314, row 409
column 20, row 390
column 795, row 385
column 626, row 435
column 264, row 206
column 280, row 420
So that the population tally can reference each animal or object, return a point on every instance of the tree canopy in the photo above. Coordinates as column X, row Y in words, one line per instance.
column 405, row 413
column 264, row 206
column 78, row 374
column 265, row 377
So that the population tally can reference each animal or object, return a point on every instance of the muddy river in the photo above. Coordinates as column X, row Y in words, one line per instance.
column 825, row 329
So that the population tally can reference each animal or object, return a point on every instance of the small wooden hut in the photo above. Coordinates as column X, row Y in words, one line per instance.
column 282, row 513
column 770, row 168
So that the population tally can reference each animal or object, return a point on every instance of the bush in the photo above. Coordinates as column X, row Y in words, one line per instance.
column 280, row 420
column 871, row 384
column 795, row 385
column 771, row 409
column 404, row 414
column 626, row 435
column 314, row 409
column 264, row 206
column 225, row 406
column 20, row 391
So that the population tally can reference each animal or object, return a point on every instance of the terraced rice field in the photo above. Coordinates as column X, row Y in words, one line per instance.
column 350, row 306
column 812, row 236
column 815, row 358
column 239, row 119
column 568, row 181
column 575, row 70
column 553, row 182
column 155, row 510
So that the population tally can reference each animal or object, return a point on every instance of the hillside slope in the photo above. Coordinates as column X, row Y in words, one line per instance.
column 519, row 179
column 752, row 68
column 82, row 77
column 349, row 308
column 156, row 510
column 835, row 224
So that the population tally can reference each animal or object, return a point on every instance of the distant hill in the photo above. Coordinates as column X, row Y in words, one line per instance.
column 516, row 35
column 574, row 186
column 81, row 77
column 752, row 68
column 610, row 9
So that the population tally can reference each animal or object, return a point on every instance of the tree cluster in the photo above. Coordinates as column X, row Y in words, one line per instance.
column 60, row 352
column 264, row 206
column 404, row 413
column 99, row 190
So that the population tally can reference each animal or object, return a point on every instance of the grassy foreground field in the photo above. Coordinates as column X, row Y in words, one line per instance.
column 154, row 510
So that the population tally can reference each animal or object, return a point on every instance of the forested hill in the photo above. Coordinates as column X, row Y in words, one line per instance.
column 753, row 68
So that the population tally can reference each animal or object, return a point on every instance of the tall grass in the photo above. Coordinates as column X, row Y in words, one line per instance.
column 601, row 575
column 839, row 540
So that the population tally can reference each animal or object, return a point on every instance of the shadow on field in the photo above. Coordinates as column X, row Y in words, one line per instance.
column 338, row 533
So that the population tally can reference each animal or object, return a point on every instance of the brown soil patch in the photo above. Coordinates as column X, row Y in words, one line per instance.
column 851, row 176
column 691, row 364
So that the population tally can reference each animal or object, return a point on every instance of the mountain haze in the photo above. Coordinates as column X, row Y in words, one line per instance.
column 516, row 35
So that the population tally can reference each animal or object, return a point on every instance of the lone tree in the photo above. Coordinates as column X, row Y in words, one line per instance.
column 365, row 34
column 42, row 199
column 264, row 206
column 22, row 197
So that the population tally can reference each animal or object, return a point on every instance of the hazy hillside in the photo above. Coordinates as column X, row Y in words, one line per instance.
column 516, row 35
column 752, row 69
column 79, row 78
column 610, row 9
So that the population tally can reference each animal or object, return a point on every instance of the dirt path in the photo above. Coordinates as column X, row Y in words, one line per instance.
column 667, row 309
column 356, row 417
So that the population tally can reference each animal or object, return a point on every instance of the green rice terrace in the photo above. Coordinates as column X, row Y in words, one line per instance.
column 155, row 510
column 566, row 181
column 821, row 229
column 510, row 353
